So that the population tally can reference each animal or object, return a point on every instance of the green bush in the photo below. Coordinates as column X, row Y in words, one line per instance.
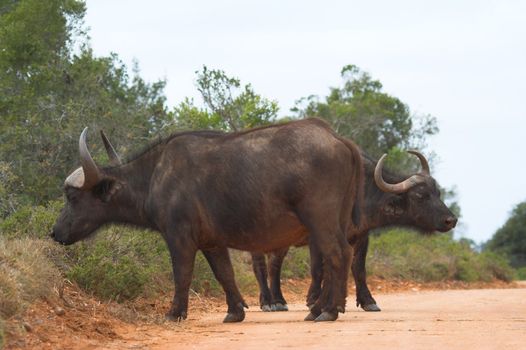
column 493, row 265
column 297, row 263
column 109, row 277
column 408, row 255
column 245, row 279
column 520, row 273
column 204, row 281
column 120, row 263
column 31, row 221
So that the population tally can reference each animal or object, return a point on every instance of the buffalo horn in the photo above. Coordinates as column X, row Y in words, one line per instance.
column 92, row 174
column 405, row 185
column 423, row 161
column 112, row 154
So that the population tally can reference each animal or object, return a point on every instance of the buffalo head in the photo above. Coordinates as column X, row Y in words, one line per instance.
column 89, row 197
column 415, row 201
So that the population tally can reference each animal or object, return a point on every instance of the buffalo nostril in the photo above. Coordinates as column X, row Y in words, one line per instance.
column 451, row 221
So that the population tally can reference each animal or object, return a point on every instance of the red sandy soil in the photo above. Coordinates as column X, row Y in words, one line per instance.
column 432, row 315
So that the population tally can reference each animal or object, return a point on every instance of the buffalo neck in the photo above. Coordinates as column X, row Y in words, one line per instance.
column 134, row 179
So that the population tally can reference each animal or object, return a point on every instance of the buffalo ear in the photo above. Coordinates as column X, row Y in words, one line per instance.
column 105, row 189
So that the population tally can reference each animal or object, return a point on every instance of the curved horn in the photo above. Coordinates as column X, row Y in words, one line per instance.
column 92, row 174
column 423, row 161
column 394, row 188
column 112, row 154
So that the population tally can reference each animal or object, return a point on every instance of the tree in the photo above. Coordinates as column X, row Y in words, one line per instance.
column 378, row 122
column 227, row 105
column 52, row 86
column 510, row 239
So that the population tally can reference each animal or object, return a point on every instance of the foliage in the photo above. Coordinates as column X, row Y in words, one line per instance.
column 204, row 282
column 296, row 263
column 31, row 221
column 521, row 274
column 8, row 185
column 53, row 86
column 121, row 263
column 375, row 120
column 408, row 255
column 228, row 105
column 510, row 239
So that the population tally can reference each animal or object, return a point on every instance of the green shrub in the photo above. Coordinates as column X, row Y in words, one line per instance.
column 493, row 265
column 245, row 279
column 204, row 281
column 403, row 254
column 120, row 263
column 296, row 263
column 110, row 278
column 31, row 221
column 521, row 273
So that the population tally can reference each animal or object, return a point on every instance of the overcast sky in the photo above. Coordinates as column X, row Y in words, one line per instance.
column 463, row 62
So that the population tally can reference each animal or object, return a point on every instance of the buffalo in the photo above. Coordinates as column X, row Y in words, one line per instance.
column 257, row 190
column 389, row 200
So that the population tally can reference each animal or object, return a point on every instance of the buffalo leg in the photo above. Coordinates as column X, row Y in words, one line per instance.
column 275, row 262
column 363, row 295
column 219, row 261
column 182, row 252
column 327, row 239
column 259, row 266
column 316, row 270
column 334, row 287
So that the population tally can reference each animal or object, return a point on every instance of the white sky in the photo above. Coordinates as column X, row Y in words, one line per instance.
column 463, row 62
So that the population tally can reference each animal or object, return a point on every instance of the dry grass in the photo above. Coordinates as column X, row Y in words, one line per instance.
column 26, row 273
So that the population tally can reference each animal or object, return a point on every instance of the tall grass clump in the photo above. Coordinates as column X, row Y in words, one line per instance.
column 2, row 334
column 26, row 274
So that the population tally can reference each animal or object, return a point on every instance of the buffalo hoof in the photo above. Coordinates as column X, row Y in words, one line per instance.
column 266, row 308
column 310, row 317
column 279, row 307
column 371, row 307
column 175, row 318
column 327, row 316
column 231, row 318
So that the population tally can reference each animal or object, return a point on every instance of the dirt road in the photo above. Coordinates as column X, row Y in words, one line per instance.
column 455, row 319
